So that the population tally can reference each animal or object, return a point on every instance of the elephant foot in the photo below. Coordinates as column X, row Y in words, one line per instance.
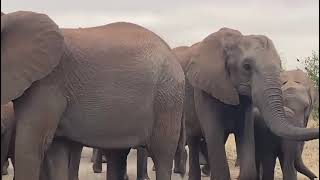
column 205, row 170
column 5, row 168
column 4, row 171
column 180, row 165
column 97, row 168
column 180, row 170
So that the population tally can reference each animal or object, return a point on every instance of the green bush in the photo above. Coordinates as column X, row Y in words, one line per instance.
column 311, row 65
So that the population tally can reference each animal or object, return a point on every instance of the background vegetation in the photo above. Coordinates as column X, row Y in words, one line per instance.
column 311, row 66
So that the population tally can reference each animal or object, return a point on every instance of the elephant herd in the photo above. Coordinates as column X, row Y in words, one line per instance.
column 120, row 86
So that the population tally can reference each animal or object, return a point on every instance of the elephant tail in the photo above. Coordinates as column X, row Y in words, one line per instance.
column 302, row 168
column 181, row 153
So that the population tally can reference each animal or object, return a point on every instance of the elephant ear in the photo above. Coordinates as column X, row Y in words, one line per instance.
column 207, row 70
column 31, row 47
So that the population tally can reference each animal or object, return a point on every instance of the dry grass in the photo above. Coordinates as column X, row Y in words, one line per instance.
column 310, row 156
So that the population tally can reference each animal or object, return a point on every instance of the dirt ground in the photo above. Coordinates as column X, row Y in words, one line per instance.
column 310, row 157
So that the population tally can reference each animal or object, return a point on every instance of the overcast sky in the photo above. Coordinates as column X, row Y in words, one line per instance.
column 293, row 25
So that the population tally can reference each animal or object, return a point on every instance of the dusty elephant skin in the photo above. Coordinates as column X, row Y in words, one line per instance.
column 95, row 86
column 227, row 74
column 298, row 96
column 7, row 135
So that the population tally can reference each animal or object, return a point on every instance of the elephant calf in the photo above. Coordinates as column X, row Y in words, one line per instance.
column 298, row 97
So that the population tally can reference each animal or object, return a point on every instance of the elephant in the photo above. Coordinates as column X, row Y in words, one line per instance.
column 8, row 122
column 298, row 98
column 227, row 74
column 77, row 84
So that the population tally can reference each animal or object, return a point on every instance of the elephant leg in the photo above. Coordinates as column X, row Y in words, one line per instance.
column 246, row 145
column 287, row 160
column 166, row 133
column 180, row 161
column 97, row 161
column 117, row 164
column 204, row 151
column 268, row 163
column 194, row 164
column 5, row 145
column 142, row 164
column 210, row 114
column 217, row 156
column 181, row 155
column 38, row 112
column 74, row 161
column 56, row 160
column 5, row 166
column 258, row 163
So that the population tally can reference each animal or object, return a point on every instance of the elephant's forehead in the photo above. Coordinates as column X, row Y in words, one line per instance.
column 295, row 76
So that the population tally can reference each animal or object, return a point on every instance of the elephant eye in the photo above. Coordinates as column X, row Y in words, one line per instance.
column 247, row 67
column 297, row 82
column 285, row 82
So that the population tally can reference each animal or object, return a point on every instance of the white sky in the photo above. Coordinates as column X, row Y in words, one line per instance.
column 293, row 25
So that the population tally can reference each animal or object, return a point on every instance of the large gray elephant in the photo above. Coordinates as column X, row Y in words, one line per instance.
column 298, row 98
column 112, row 87
column 227, row 74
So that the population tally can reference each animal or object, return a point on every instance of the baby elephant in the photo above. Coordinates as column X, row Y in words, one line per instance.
column 298, row 96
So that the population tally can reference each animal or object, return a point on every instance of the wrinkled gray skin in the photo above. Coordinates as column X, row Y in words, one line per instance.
column 227, row 74
column 111, row 87
column 298, row 96
column 7, row 132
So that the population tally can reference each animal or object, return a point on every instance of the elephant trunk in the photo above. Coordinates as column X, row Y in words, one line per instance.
column 267, row 96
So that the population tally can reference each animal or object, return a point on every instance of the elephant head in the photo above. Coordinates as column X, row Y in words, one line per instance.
column 228, row 64
column 299, row 94
column 31, row 47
